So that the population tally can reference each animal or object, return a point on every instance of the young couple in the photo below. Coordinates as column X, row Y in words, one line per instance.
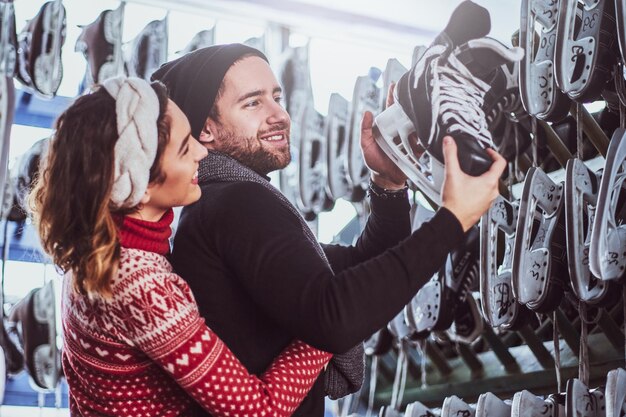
column 140, row 335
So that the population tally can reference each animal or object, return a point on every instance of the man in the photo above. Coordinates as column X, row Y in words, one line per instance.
column 258, row 275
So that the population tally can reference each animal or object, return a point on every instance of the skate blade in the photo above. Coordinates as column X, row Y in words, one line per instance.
column 581, row 197
column 498, row 303
column 113, row 35
column 453, row 406
column 8, row 50
column 366, row 97
column 582, row 402
column 489, row 405
column 580, row 69
column 48, row 66
column 336, row 133
column 398, row 327
column 540, row 94
column 616, row 393
column 392, row 129
column 468, row 322
column 527, row 404
column 607, row 249
column 312, row 165
column 393, row 71
column 417, row 409
column 541, row 203
column 425, row 306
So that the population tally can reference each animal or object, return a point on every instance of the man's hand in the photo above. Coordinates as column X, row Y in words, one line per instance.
column 385, row 173
column 467, row 197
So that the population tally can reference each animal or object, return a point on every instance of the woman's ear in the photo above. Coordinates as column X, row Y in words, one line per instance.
column 146, row 197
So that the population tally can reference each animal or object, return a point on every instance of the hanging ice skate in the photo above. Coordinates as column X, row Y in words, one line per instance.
column 8, row 57
column 39, row 50
column 584, row 57
column 202, row 39
column 499, row 306
column 365, row 97
column 616, row 393
column 467, row 325
column 26, row 169
column 527, row 404
column 445, row 93
column 402, row 334
column 148, row 51
column 540, row 94
column 424, row 306
column 607, row 249
column 391, row 75
column 580, row 401
column 453, row 406
column 539, row 265
column 435, row 304
column 294, row 77
column 312, row 164
column 37, row 316
column 417, row 409
column 256, row 42
column 581, row 198
column 489, row 405
column 336, row 132
column 8, row 39
column 101, row 44
column 507, row 119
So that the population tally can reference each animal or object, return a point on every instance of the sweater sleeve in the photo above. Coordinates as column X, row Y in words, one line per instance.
column 262, row 243
column 388, row 223
column 161, row 318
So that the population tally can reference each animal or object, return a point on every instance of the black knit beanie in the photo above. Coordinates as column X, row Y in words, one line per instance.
column 194, row 79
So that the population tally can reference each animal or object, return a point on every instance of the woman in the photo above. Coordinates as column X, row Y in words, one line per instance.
column 134, row 344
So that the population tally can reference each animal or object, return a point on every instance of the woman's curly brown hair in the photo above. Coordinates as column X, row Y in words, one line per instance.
column 70, row 197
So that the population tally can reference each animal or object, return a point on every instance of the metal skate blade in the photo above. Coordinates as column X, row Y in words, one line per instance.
column 398, row 327
column 312, row 163
column 539, row 212
column 581, row 66
column 425, row 305
column 539, row 92
column 393, row 71
column 336, row 132
column 498, row 303
column 489, row 405
column 581, row 197
column 453, row 406
column 582, row 402
column 616, row 393
column 468, row 323
column 289, row 176
column 607, row 249
column 527, row 404
column 392, row 129
column 389, row 411
column 47, row 70
column 417, row 409
column 366, row 97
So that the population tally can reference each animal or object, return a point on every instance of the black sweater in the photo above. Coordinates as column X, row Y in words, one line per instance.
column 259, row 282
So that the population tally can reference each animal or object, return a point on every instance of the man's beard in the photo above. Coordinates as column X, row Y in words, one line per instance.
column 243, row 149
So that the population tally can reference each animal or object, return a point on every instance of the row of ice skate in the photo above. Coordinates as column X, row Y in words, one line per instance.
column 555, row 236
column 577, row 401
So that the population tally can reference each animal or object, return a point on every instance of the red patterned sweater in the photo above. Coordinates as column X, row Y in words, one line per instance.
column 146, row 352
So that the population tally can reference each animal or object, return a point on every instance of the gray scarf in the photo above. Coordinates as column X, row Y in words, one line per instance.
column 344, row 374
